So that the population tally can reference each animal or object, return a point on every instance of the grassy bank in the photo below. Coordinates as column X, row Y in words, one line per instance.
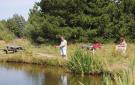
column 114, row 66
column 123, row 77
column 45, row 54
column 32, row 54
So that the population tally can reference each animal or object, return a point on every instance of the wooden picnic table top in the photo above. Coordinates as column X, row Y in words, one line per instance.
column 13, row 46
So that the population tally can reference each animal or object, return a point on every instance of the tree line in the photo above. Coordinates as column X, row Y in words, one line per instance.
column 78, row 21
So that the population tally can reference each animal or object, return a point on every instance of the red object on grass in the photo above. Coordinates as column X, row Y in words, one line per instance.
column 96, row 45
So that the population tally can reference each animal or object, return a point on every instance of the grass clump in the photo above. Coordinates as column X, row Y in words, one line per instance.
column 124, row 77
column 85, row 62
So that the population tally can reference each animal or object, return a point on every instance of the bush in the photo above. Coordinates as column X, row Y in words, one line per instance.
column 5, row 34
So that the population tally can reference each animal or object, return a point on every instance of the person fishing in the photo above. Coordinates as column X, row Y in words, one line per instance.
column 63, row 47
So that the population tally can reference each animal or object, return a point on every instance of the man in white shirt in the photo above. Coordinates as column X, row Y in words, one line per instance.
column 63, row 47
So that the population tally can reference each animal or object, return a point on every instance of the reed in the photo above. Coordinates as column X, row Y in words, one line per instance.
column 124, row 77
column 85, row 63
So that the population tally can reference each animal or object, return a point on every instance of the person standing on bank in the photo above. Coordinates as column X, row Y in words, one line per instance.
column 63, row 47
column 121, row 46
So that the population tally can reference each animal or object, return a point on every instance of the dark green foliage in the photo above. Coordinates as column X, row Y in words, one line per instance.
column 5, row 34
column 82, row 20
column 16, row 25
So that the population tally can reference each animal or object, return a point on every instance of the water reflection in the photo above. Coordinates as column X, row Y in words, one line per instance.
column 20, row 74
column 13, row 77
column 63, row 80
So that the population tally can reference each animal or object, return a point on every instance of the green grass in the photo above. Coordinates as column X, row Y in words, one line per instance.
column 106, row 55
column 123, row 77
column 31, row 54
column 85, row 63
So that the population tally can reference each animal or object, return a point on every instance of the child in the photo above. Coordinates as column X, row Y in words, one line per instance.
column 93, row 47
column 122, row 46
column 96, row 45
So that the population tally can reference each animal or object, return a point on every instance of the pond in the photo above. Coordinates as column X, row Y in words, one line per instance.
column 23, row 74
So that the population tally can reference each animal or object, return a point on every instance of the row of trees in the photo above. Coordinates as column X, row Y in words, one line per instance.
column 82, row 20
column 77, row 20
column 15, row 25
column 5, row 34
column 12, row 28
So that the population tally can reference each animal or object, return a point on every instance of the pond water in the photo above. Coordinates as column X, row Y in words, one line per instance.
column 23, row 74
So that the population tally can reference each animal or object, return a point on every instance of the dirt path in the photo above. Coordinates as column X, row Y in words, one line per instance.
column 46, row 55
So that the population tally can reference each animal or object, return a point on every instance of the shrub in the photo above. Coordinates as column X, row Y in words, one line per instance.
column 5, row 34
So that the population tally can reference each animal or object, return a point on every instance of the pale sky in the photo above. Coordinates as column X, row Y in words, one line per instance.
column 10, row 7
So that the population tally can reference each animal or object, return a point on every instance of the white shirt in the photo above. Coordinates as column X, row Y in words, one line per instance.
column 63, row 44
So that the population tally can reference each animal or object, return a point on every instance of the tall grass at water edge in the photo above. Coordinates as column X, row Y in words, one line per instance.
column 85, row 63
column 124, row 77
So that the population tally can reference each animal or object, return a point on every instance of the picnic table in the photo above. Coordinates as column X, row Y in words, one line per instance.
column 12, row 48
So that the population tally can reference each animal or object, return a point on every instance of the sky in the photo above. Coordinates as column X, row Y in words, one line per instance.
column 10, row 7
